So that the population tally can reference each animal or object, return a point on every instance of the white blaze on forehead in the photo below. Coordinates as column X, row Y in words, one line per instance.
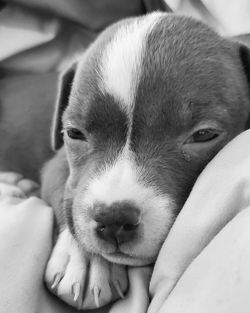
column 122, row 59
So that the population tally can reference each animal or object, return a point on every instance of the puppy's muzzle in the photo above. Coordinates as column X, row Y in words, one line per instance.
column 117, row 223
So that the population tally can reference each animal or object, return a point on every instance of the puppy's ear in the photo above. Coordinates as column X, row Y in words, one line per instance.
column 64, row 90
column 245, row 61
column 243, row 46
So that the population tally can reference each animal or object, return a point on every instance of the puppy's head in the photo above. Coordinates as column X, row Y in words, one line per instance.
column 142, row 112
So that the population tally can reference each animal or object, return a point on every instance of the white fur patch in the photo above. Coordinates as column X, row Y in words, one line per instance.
column 121, row 183
column 122, row 58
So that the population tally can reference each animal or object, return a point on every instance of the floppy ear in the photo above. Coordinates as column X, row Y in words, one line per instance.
column 245, row 61
column 64, row 90
column 243, row 42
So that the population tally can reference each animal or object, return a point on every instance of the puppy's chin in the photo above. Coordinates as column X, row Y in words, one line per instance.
column 124, row 259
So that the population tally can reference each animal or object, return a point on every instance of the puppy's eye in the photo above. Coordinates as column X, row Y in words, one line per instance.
column 75, row 133
column 203, row 135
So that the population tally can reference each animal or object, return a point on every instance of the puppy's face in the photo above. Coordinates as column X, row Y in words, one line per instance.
column 152, row 101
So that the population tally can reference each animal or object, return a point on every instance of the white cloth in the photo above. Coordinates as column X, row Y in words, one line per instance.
column 229, row 18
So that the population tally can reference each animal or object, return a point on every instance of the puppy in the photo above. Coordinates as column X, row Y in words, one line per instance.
column 139, row 115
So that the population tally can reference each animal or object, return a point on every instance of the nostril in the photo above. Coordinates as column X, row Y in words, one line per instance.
column 101, row 227
column 130, row 227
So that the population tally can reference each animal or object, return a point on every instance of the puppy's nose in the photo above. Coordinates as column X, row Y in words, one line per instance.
column 117, row 223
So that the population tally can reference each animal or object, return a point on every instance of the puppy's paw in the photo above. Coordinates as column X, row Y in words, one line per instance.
column 119, row 279
column 107, row 283
column 66, row 275
column 66, row 270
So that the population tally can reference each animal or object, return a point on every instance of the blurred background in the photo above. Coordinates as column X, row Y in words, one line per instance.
column 38, row 38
